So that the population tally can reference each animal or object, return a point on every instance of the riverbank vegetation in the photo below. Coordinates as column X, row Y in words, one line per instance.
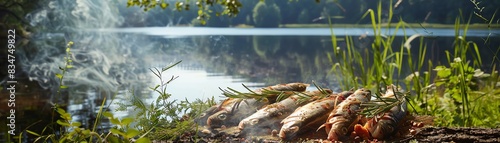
column 457, row 93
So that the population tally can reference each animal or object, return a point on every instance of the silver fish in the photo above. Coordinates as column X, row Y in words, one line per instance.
column 232, row 111
column 271, row 115
column 309, row 116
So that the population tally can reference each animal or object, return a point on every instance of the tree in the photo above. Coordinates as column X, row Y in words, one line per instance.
column 231, row 7
column 266, row 14
column 345, row 11
column 304, row 17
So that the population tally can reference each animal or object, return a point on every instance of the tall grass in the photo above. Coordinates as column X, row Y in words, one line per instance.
column 441, row 90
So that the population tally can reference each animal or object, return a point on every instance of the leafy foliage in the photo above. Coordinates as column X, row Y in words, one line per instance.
column 67, row 65
column 266, row 14
column 230, row 7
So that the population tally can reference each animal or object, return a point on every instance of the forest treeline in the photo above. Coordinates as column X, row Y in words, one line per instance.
column 272, row 13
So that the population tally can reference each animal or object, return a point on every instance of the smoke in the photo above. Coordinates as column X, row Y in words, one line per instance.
column 104, row 61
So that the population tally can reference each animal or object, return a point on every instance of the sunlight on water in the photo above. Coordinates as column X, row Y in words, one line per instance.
column 197, row 83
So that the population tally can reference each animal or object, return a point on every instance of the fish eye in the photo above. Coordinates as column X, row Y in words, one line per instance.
column 344, row 130
column 222, row 116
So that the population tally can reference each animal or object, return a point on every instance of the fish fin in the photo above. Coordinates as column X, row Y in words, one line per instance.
column 236, row 105
column 362, row 132
column 320, row 127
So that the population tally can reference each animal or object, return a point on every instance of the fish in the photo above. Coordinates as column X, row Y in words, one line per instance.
column 341, row 121
column 309, row 116
column 271, row 115
column 232, row 115
column 202, row 118
column 382, row 126
column 233, row 110
column 296, row 86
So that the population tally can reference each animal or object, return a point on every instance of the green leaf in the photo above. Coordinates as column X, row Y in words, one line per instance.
column 63, row 140
column 61, row 111
column 33, row 133
column 132, row 133
column 69, row 66
column 86, row 132
column 76, row 124
column 164, row 5
column 127, row 121
column 59, row 75
column 116, row 131
column 62, row 123
column 63, row 87
column 108, row 114
column 115, row 121
column 143, row 140
column 443, row 71
column 113, row 139
column 166, row 68
column 66, row 116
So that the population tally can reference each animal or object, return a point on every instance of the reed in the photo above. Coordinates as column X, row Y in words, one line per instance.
column 434, row 89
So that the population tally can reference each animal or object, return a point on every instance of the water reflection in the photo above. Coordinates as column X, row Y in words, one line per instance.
column 196, row 83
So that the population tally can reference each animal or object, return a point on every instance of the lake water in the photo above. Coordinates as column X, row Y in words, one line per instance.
column 115, row 62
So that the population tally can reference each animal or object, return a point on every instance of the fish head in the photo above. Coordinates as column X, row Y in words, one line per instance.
column 248, row 123
column 339, row 131
column 202, row 118
column 362, row 94
column 382, row 129
column 289, row 133
column 218, row 119
column 345, row 94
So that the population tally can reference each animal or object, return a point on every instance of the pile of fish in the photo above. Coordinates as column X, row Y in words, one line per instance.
column 304, row 113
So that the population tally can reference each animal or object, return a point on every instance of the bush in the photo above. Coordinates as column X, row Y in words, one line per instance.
column 266, row 14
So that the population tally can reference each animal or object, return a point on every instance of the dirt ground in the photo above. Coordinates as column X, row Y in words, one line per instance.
column 423, row 135
column 459, row 135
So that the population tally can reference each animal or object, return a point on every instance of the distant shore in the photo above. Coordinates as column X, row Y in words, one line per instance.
column 408, row 25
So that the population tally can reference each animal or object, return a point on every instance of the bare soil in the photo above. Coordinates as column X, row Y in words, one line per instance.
column 459, row 135
column 423, row 135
